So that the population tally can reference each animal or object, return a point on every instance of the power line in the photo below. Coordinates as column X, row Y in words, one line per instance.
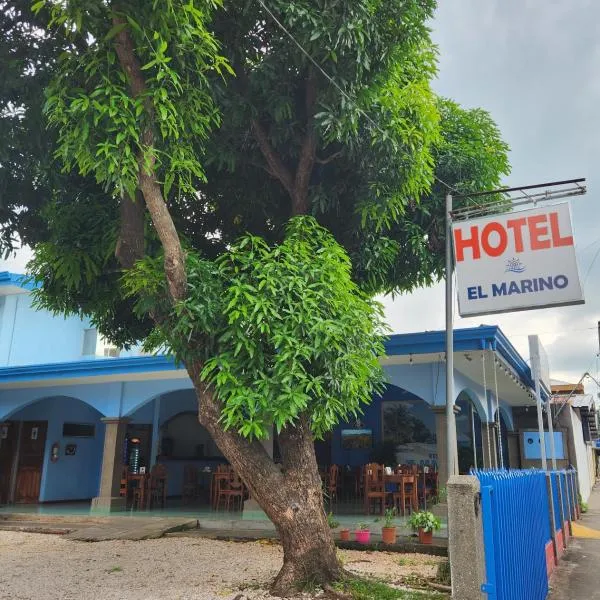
column 334, row 83
column 591, row 265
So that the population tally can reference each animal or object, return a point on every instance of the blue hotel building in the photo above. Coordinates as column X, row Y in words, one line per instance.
column 71, row 416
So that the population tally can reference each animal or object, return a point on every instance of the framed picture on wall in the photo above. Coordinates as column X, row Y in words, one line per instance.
column 357, row 439
column 70, row 449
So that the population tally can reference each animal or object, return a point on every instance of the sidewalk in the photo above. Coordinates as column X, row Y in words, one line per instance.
column 578, row 574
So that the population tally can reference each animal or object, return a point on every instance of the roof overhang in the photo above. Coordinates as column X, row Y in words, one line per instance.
column 101, row 370
column 12, row 283
column 504, row 366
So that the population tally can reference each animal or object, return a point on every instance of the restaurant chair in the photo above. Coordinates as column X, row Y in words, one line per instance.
column 191, row 485
column 231, row 491
column 374, row 478
column 157, row 487
column 406, row 494
column 333, row 482
column 123, row 489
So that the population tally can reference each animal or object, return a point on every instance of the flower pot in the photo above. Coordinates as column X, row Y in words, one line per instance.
column 345, row 535
column 388, row 535
column 362, row 536
column 425, row 537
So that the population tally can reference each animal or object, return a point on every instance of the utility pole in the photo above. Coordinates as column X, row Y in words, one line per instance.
column 452, row 449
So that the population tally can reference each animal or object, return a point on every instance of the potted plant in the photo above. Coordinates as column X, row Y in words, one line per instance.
column 425, row 523
column 362, row 533
column 388, row 531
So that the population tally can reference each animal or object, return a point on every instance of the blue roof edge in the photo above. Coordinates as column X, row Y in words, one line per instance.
column 470, row 338
column 16, row 279
column 88, row 368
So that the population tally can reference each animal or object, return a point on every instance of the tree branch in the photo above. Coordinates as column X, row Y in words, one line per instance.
column 148, row 184
column 130, row 244
column 308, row 151
column 328, row 159
column 275, row 164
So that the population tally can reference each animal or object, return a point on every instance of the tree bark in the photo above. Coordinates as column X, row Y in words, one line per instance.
column 291, row 496
column 130, row 245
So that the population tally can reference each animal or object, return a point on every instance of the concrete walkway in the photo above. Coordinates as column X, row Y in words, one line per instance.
column 578, row 574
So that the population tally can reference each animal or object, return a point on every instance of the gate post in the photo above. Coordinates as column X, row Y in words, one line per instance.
column 465, row 538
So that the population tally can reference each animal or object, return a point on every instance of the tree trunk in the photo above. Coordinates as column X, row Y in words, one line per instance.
column 290, row 495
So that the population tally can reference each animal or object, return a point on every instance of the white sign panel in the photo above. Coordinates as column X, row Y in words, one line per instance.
column 516, row 261
column 538, row 359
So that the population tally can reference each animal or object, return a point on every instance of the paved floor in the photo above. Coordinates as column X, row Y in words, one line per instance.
column 578, row 574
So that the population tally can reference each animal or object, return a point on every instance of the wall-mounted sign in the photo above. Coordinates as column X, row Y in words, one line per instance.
column 538, row 359
column 532, row 446
column 516, row 261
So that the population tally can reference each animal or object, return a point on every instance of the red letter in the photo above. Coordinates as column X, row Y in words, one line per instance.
column 558, row 241
column 517, row 226
column 485, row 239
column 535, row 232
column 460, row 244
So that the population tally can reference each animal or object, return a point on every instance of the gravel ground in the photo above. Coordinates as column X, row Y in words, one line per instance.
column 47, row 567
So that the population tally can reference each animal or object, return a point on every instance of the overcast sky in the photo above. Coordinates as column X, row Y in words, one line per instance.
column 535, row 65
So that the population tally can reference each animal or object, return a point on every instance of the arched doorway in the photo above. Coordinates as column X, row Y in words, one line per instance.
column 468, row 435
column 51, row 450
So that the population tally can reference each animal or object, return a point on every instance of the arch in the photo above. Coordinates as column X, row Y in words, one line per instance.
column 11, row 414
column 475, row 400
column 506, row 415
column 175, row 390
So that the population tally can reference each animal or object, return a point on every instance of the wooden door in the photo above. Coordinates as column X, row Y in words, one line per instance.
column 9, row 435
column 31, row 460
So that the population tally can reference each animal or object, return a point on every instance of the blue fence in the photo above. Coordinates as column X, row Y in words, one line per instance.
column 516, row 531
column 524, row 516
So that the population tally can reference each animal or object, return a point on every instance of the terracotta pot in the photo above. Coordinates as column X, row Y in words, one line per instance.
column 388, row 535
column 362, row 536
column 425, row 537
column 345, row 535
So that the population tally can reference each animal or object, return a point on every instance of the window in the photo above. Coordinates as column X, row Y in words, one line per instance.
column 79, row 430
column 90, row 337
column 111, row 351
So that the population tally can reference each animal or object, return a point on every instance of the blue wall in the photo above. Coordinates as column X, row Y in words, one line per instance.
column 71, row 477
column 29, row 336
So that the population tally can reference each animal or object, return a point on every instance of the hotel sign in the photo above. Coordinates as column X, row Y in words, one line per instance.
column 516, row 261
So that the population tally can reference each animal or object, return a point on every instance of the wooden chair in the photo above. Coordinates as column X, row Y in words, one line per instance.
column 157, row 487
column 231, row 491
column 406, row 494
column 219, row 476
column 333, row 483
column 374, row 479
column 138, row 491
column 191, row 485
column 123, row 489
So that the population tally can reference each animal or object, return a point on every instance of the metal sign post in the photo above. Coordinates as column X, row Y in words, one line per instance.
column 451, row 440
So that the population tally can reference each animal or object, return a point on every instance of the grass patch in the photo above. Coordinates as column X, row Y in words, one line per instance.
column 115, row 569
column 361, row 589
